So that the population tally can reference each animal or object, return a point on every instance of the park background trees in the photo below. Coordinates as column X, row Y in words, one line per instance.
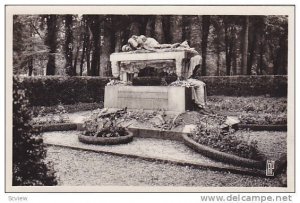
column 81, row 44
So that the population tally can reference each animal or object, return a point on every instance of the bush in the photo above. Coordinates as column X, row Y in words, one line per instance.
column 227, row 141
column 102, row 124
column 29, row 167
column 70, row 108
column 242, row 85
column 53, row 90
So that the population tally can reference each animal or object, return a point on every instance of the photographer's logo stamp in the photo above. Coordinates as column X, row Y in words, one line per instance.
column 270, row 166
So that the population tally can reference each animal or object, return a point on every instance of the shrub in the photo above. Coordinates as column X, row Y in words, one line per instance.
column 53, row 90
column 29, row 152
column 255, row 85
column 69, row 108
column 102, row 124
column 227, row 141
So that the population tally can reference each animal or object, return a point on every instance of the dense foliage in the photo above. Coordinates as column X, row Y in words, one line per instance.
column 54, row 90
column 259, row 110
column 81, row 44
column 227, row 141
column 49, row 91
column 102, row 124
column 69, row 108
column 29, row 167
column 274, row 86
column 58, row 116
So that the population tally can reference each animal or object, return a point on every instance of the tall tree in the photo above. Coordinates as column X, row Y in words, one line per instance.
column 95, row 21
column 218, row 39
column 149, row 30
column 176, row 28
column 245, row 46
column 195, row 31
column 158, row 29
column 205, row 32
column 135, row 26
column 51, row 42
column 68, row 49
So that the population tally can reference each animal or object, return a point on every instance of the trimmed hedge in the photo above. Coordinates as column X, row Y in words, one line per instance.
column 272, row 85
column 52, row 90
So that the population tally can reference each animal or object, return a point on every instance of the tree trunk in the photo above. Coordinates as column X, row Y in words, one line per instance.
column 69, row 45
column 158, row 29
column 245, row 46
column 88, row 57
column 253, row 40
column 106, row 47
column 118, row 40
column 95, row 29
column 218, row 62
column 234, row 59
column 30, row 66
column 51, row 42
column 205, row 32
column 134, row 28
column 149, row 28
column 195, row 32
column 227, row 48
column 76, row 59
column 176, row 28
column 82, row 59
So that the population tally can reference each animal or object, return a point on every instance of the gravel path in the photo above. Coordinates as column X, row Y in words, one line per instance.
column 272, row 144
column 162, row 149
column 84, row 168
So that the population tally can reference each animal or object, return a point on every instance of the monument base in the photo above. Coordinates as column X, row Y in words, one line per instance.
column 168, row 98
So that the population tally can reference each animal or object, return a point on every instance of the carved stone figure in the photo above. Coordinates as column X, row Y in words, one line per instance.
column 147, row 43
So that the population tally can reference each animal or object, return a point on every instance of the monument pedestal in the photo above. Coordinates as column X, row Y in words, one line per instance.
column 168, row 98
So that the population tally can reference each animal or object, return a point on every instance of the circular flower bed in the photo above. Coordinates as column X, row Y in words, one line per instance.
column 225, row 145
column 106, row 140
column 102, row 128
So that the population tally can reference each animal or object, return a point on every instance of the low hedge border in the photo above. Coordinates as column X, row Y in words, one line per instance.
column 222, row 156
column 106, row 140
column 56, row 127
column 256, row 127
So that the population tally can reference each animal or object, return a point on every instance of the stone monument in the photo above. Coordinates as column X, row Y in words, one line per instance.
column 141, row 52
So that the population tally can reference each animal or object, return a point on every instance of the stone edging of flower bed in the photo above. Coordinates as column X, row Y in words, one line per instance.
column 232, row 169
column 179, row 136
column 222, row 156
column 106, row 140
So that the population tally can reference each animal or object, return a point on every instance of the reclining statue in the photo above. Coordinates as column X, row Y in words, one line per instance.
column 147, row 43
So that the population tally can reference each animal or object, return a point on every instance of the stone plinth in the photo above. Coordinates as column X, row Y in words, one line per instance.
column 177, row 99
